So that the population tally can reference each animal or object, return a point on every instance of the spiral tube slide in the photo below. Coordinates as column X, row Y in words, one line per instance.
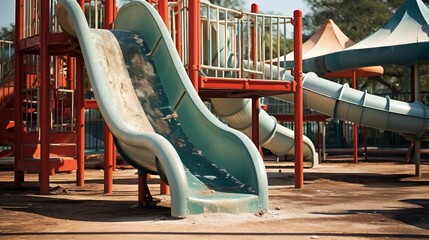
column 273, row 136
column 159, row 122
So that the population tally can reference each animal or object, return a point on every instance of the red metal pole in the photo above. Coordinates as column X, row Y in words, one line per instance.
column 144, row 196
column 255, row 121
column 355, row 126
column 194, row 40
column 108, row 17
column 18, row 87
column 44, row 98
column 178, row 20
column 298, row 100
column 319, row 142
column 82, row 4
column 163, row 12
column 255, row 100
column 115, row 10
column 365, row 143
column 108, row 160
column 80, row 121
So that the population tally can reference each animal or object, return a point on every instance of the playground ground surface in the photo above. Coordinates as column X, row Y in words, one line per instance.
column 376, row 199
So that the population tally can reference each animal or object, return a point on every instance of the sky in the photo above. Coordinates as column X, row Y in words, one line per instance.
column 284, row 7
column 7, row 12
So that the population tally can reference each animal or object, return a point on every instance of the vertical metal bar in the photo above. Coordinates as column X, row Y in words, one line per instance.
column 298, row 101
column 355, row 126
column 225, row 48
column 194, row 24
column 263, row 45
column 417, row 157
column 278, row 45
column 19, row 27
column 44, row 99
column 96, row 15
column 365, row 143
column 416, row 93
column 271, row 47
column 80, row 115
column 324, row 141
column 108, row 160
column 319, row 142
column 284, row 42
column 217, row 40
column 178, row 27
column 163, row 12
column 108, row 16
column 255, row 100
column 90, row 14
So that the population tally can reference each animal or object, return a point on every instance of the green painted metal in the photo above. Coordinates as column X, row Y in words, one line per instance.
column 158, row 119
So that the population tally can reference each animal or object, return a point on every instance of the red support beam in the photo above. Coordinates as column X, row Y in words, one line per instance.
column 109, row 14
column 18, row 175
column 82, row 4
column 194, row 65
column 365, row 142
column 178, row 27
column 80, row 121
column 45, row 121
column 298, row 100
column 355, row 126
column 108, row 160
column 163, row 12
column 255, row 100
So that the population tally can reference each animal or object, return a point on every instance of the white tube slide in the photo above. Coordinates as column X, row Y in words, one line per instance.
column 273, row 136
column 345, row 103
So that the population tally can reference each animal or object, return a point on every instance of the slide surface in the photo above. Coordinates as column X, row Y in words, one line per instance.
column 159, row 122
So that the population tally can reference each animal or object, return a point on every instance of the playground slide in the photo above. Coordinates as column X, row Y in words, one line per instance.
column 159, row 122
column 343, row 102
column 273, row 136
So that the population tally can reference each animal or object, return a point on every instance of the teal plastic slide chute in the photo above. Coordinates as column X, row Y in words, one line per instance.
column 159, row 122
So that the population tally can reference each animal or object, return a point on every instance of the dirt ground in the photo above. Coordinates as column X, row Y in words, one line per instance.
column 340, row 200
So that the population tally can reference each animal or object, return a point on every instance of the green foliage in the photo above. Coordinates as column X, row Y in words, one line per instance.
column 357, row 19
column 8, row 33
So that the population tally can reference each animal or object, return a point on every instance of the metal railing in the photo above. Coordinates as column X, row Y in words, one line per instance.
column 62, row 110
column 242, row 44
column 232, row 40
column 31, row 121
column 94, row 12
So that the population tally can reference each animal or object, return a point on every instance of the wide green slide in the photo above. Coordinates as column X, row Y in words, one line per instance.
column 158, row 120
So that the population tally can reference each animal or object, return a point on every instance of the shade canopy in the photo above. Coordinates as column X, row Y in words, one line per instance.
column 403, row 40
column 329, row 39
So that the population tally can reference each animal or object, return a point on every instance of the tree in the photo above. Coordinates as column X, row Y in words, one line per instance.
column 8, row 33
column 359, row 19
